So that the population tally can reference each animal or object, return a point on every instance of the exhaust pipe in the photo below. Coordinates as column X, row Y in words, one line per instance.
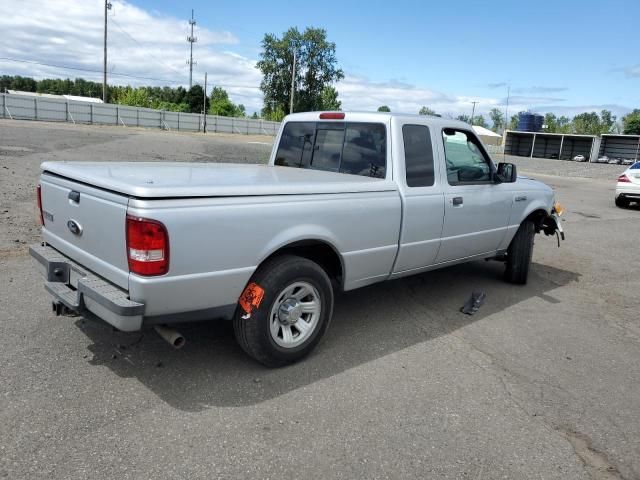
column 175, row 339
column 60, row 309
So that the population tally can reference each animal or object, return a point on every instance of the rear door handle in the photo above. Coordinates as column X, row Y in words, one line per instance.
column 521, row 198
column 456, row 201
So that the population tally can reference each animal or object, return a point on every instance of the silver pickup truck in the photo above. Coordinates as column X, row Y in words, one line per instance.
column 347, row 200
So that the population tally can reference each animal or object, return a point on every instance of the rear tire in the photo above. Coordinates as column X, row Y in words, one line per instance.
column 622, row 202
column 519, row 254
column 293, row 314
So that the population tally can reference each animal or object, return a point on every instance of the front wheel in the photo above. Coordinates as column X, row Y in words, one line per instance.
column 519, row 254
column 284, row 311
column 622, row 202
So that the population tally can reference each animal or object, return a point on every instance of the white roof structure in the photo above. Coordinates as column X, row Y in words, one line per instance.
column 49, row 95
column 485, row 132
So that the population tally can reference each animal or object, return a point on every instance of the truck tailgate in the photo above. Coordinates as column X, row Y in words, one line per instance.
column 87, row 225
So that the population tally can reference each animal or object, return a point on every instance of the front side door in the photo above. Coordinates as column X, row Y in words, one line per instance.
column 477, row 210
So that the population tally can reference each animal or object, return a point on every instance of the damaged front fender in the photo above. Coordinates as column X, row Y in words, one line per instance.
column 551, row 225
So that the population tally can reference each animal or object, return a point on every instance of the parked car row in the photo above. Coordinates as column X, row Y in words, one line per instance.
column 615, row 161
column 602, row 159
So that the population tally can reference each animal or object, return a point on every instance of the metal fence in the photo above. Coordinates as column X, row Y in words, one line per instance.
column 22, row 107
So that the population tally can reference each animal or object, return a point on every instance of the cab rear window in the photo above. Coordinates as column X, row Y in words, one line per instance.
column 635, row 166
column 346, row 147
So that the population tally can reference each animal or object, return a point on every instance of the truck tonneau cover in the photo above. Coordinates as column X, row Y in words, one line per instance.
column 178, row 179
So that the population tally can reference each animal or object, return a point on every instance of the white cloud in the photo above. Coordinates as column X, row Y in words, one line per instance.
column 141, row 44
column 359, row 93
column 632, row 71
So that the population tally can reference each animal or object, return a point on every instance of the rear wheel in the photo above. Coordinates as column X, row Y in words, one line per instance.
column 622, row 202
column 519, row 254
column 294, row 311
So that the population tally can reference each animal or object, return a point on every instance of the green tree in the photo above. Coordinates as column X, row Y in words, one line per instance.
column 464, row 118
column 329, row 99
column 497, row 118
column 316, row 69
column 273, row 113
column 607, row 121
column 255, row 116
column 384, row 108
column 551, row 122
column 194, row 98
column 564, row 125
column 513, row 122
column 631, row 122
column 427, row 111
column 587, row 123
column 479, row 121
column 221, row 105
column 134, row 97
column 17, row 82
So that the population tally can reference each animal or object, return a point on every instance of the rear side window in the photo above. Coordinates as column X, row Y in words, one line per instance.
column 365, row 150
column 418, row 155
column 296, row 143
column 354, row 148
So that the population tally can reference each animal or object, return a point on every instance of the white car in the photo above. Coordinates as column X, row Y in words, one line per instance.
column 628, row 187
column 579, row 158
column 603, row 159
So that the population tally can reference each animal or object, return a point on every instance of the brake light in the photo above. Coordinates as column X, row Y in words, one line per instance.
column 332, row 116
column 623, row 179
column 147, row 246
column 39, row 196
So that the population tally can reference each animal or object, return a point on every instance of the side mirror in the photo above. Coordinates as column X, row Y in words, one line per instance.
column 506, row 173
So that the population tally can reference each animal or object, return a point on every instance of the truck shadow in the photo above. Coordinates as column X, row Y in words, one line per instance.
column 370, row 323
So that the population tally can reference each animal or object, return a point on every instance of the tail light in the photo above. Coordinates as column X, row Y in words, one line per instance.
column 623, row 179
column 39, row 196
column 147, row 246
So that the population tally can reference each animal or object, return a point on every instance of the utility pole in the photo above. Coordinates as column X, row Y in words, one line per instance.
column 473, row 111
column 204, row 104
column 506, row 111
column 293, row 82
column 191, row 39
column 107, row 7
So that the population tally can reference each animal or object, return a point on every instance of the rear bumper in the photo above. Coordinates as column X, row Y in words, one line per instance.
column 628, row 191
column 79, row 290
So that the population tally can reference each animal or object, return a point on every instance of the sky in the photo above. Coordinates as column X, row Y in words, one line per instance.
column 563, row 56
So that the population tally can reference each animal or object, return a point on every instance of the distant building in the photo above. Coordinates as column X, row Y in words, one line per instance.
column 49, row 95
column 487, row 136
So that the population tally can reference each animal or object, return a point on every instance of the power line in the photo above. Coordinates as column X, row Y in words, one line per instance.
column 93, row 70
column 143, row 48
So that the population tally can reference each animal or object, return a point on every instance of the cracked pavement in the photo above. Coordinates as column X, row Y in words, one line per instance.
column 542, row 382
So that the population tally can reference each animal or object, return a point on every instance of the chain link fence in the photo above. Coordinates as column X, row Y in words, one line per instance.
column 22, row 107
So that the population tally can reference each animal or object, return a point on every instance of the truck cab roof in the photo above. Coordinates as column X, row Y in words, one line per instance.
column 376, row 117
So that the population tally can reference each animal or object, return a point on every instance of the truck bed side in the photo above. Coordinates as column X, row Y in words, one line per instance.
column 221, row 241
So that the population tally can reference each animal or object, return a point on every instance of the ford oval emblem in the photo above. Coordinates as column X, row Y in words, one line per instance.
column 74, row 227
